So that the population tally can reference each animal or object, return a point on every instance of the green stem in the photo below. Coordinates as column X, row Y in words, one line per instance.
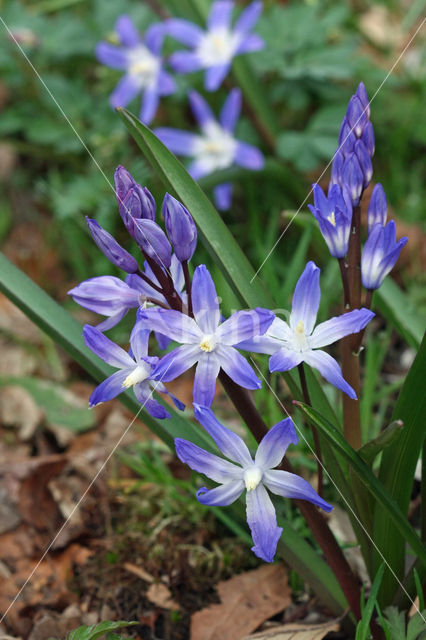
column 305, row 391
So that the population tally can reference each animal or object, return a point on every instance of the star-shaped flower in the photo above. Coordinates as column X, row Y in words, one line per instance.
column 255, row 475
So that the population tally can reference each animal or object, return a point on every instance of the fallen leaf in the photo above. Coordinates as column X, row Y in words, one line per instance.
column 19, row 409
column 138, row 571
column 296, row 632
column 160, row 595
column 247, row 600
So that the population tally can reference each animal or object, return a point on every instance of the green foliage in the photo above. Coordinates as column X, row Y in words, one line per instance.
column 95, row 631
column 397, row 628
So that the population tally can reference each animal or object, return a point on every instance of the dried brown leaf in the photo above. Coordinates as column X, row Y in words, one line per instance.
column 160, row 595
column 296, row 632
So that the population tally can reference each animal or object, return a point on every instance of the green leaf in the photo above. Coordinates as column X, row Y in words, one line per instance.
column 401, row 312
column 388, row 436
column 398, row 467
column 384, row 502
column 98, row 630
column 363, row 630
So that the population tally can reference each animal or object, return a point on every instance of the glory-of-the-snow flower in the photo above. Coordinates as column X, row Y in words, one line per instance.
column 142, row 63
column 334, row 216
column 215, row 147
column 214, row 49
column 245, row 473
column 299, row 340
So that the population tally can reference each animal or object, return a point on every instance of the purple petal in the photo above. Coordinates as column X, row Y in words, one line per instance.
column 262, row 521
column 198, row 169
column 161, row 388
column 220, row 15
column 162, row 340
column 289, row 485
column 306, row 299
column 201, row 110
column 183, row 31
column 231, row 445
column 231, row 110
column 221, row 496
column 110, row 322
column 339, row 327
column 153, row 241
column 237, row 367
column 106, row 295
column 176, row 362
column 207, row 463
column 107, row 350
column 139, row 339
column 249, row 157
column 143, row 395
column 260, row 344
column 205, row 302
column 127, row 88
column 205, row 378
column 329, row 369
column 179, row 142
column 215, row 76
column 248, row 18
column 171, row 323
column 154, row 37
column 222, row 194
column 165, row 84
column 110, row 247
column 185, row 62
column 285, row 359
column 377, row 207
column 149, row 106
column 127, row 31
column 243, row 325
column 112, row 56
column 274, row 444
column 109, row 388
column 250, row 43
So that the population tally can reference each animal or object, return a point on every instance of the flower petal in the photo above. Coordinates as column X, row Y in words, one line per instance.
column 220, row 15
column 251, row 43
column 221, row 496
column 237, row 367
column 339, row 327
column 306, row 299
column 207, row 463
column 171, row 323
column 248, row 18
column 185, row 62
column 222, row 194
column 173, row 364
column 149, row 106
column 290, row 485
column 143, row 395
column 262, row 521
column 249, row 157
column 107, row 350
column 230, row 443
column 183, row 31
column 127, row 31
column 205, row 302
column 198, row 169
column 215, row 76
column 243, row 325
column 205, row 378
column 110, row 322
column 182, row 143
column 200, row 108
column 160, row 387
column 329, row 369
column 109, row 388
column 285, row 359
column 112, row 56
column 127, row 88
column 139, row 340
column 274, row 444
column 231, row 110
column 260, row 344
column 106, row 295
column 154, row 37
column 165, row 83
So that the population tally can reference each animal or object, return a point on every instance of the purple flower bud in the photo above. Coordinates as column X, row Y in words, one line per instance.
column 379, row 255
column 377, row 208
column 352, row 178
column 334, row 216
column 123, row 182
column 180, row 228
column 364, row 160
column 347, row 139
column 361, row 94
column 368, row 138
column 153, row 241
column 111, row 249
column 356, row 115
column 337, row 168
column 139, row 203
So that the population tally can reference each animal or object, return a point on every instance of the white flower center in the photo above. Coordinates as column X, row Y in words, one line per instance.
column 216, row 148
column 138, row 374
column 252, row 477
column 299, row 339
column 331, row 218
column 217, row 47
column 143, row 65
column 208, row 343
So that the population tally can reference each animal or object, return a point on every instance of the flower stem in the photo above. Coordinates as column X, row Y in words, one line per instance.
column 145, row 278
column 188, row 285
column 307, row 398
column 359, row 337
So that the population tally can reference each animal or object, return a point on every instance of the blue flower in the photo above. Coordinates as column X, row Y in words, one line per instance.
column 216, row 148
column 255, row 475
column 134, row 370
column 381, row 251
column 142, row 63
column 298, row 341
column 334, row 216
column 205, row 340
column 215, row 48
column 377, row 208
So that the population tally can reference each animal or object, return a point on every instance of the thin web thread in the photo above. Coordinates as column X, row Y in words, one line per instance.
column 338, row 490
column 64, row 115
column 271, row 251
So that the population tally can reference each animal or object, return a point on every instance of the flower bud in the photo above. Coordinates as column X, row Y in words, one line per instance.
column 110, row 248
column 337, row 168
column 356, row 116
column 377, row 208
column 353, row 178
column 123, row 182
column 364, row 160
column 180, row 228
column 368, row 138
column 379, row 255
column 153, row 241
column 347, row 139
column 361, row 94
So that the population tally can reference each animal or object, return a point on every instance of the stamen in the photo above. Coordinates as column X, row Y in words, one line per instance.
column 252, row 477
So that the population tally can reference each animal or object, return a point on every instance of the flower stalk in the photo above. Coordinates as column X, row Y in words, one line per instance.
column 305, row 391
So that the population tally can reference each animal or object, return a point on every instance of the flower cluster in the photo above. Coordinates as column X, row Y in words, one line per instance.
column 211, row 50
